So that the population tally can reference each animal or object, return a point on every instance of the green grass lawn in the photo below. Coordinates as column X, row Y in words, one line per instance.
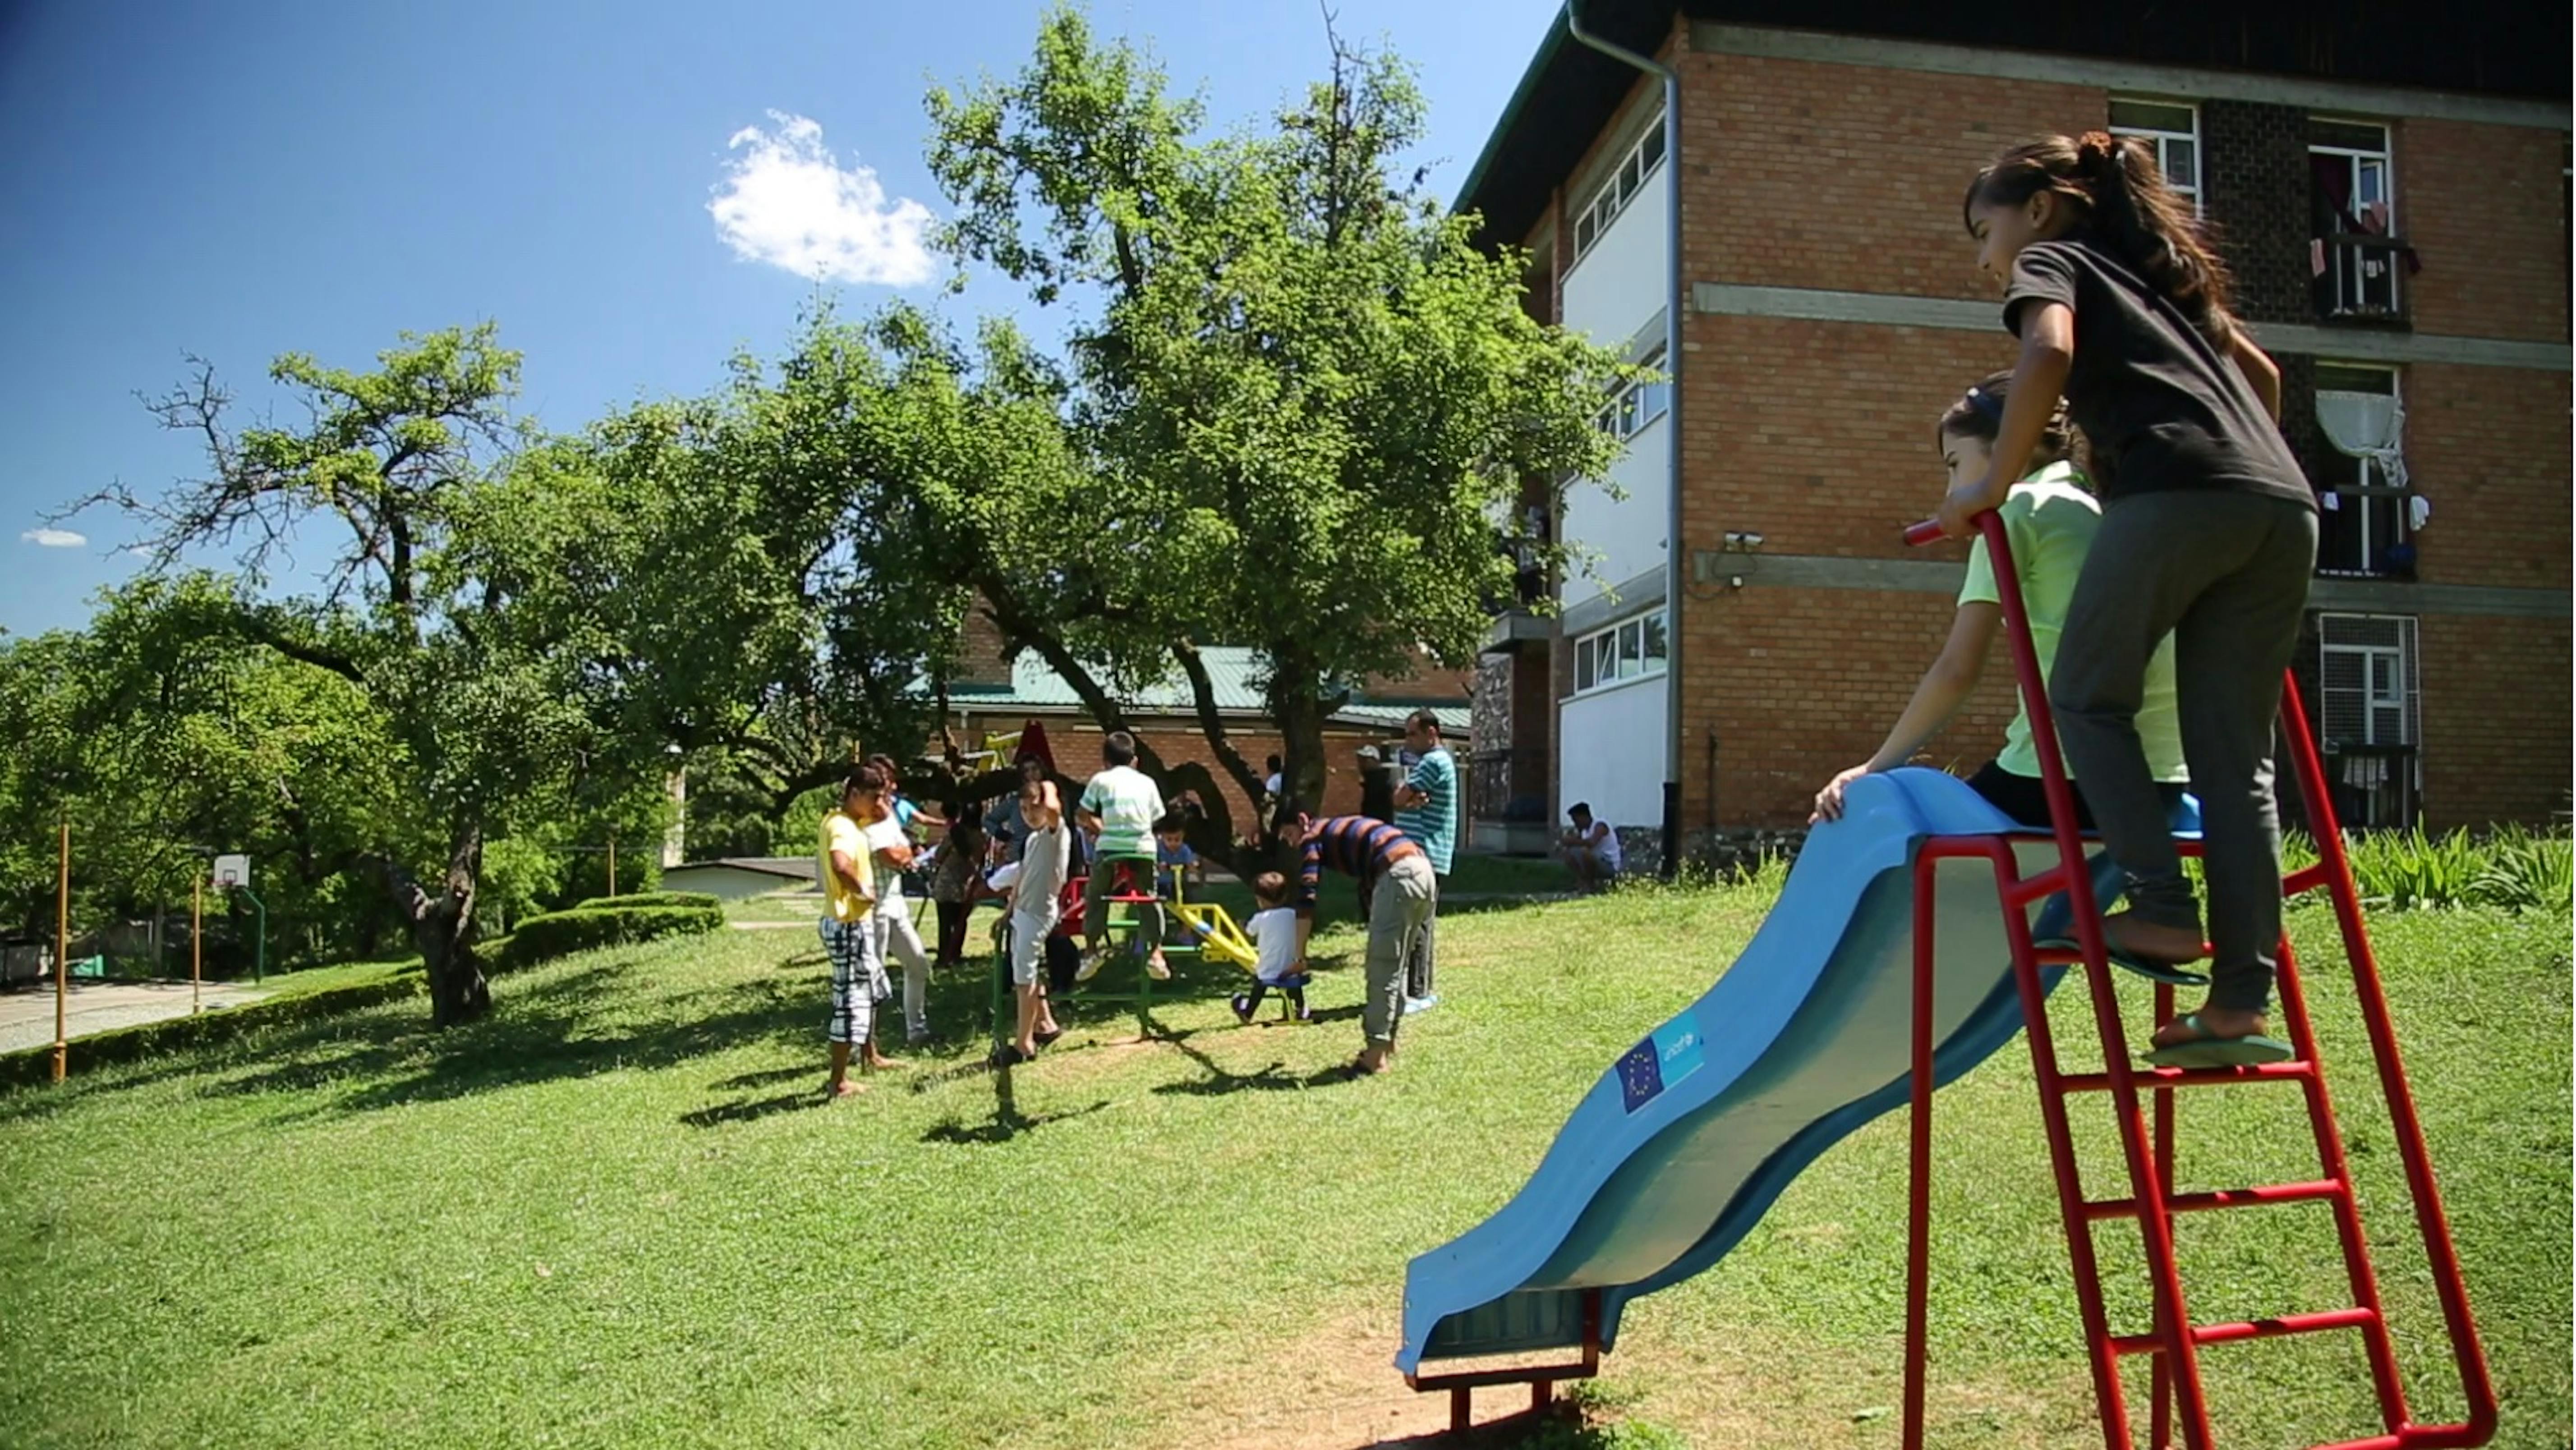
column 616, row 1213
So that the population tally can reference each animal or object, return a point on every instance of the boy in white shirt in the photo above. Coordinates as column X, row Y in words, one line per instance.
column 898, row 940
column 1120, row 807
column 1273, row 930
column 1044, row 861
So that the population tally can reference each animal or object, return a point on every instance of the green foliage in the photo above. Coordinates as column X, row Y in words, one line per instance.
column 2511, row 866
column 555, row 934
column 702, row 899
column 1300, row 404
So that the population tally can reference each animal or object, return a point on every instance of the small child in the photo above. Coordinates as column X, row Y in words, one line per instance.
column 1175, row 864
column 1273, row 930
column 1044, row 861
column 954, row 874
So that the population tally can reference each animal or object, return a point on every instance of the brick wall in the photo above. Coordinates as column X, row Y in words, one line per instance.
column 2488, row 448
column 1801, row 683
column 2484, row 208
column 1802, row 174
column 2496, row 707
column 2254, row 191
column 1076, row 744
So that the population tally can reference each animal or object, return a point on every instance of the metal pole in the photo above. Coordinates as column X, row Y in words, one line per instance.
column 197, row 942
column 612, row 863
column 63, row 952
column 1674, row 554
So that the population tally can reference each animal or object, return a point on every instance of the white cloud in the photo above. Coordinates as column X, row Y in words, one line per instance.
column 54, row 538
column 786, row 201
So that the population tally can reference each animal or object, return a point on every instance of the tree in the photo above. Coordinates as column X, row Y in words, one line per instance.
column 410, row 609
column 1299, row 403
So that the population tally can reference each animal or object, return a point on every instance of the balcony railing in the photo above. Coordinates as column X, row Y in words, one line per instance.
column 2361, row 278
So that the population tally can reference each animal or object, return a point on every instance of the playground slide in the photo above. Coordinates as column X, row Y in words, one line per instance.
column 1683, row 1144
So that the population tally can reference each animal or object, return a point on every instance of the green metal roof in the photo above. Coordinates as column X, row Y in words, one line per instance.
column 1234, row 672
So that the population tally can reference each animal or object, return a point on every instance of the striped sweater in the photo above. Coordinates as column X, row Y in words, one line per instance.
column 1353, row 845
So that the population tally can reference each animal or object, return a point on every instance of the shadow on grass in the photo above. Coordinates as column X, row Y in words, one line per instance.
column 1218, row 1082
column 538, row 1034
column 753, row 1110
column 1007, row 1123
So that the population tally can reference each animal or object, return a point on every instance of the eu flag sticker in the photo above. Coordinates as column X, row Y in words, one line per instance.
column 1674, row 1052
column 1641, row 1075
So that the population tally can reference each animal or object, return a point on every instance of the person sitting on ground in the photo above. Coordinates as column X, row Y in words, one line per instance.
column 1402, row 901
column 1591, row 848
column 1118, row 810
column 849, row 940
column 1273, row 930
column 1045, row 857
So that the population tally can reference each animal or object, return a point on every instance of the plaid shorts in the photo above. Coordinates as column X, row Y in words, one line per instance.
column 858, row 980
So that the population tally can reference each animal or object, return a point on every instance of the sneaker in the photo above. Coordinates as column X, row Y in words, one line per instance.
column 1420, row 1004
column 1157, row 968
column 1241, row 1002
column 1305, row 1012
column 1092, row 961
column 917, row 1036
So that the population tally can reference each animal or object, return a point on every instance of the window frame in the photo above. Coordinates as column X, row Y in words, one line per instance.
column 1602, row 208
column 2158, row 136
column 2368, row 482
column 1616, row 654
column 2386, row 156
column 2406, row 692
column 1633, row 407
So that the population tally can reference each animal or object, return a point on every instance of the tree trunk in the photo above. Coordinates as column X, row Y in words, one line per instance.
column 442, row 924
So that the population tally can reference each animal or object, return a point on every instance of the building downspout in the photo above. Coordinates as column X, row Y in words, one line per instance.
column 1673, row 554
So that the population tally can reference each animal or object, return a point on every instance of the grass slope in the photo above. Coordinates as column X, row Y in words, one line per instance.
column 616, row 1214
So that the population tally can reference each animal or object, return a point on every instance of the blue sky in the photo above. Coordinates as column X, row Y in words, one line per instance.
column 238, row 181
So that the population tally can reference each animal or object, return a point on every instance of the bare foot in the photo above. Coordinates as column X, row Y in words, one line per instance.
column 877, row 1062
column 2215, row 1022
column 2149, row 941
column 1371, row 1062
column 843, row 1089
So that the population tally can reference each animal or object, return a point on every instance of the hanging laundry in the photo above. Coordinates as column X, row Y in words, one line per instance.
column 2418, row 509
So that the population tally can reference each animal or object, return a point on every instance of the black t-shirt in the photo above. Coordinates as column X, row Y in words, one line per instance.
column 2160, row 405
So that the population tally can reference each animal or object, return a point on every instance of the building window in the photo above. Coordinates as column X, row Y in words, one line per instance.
column 1630, row 650
column 2368, row 713
column 2366, row 510
column 1634, row 405
column 1629, row 177
column 2173, row 128
column 2353, row 249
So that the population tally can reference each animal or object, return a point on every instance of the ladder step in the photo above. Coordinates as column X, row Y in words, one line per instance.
column 2224, row 1198
column 2316, row 1323
column 2160, row 1079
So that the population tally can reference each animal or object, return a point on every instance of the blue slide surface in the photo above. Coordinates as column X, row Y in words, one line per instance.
column 1682, row 1145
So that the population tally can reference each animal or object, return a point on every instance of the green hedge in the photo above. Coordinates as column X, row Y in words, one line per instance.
column 651, row 898
column 33, row 1065
column 543, row 938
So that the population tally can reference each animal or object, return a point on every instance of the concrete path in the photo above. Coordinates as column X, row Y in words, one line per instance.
column 27, row 1015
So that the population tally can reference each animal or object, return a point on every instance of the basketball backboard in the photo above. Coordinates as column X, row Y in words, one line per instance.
column 231, row 871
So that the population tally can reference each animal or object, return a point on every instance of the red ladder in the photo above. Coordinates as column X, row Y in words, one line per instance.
column 2174, row 1341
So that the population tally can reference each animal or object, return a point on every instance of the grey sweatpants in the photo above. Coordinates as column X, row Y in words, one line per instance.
column 2227, row 574
column 1400, row 907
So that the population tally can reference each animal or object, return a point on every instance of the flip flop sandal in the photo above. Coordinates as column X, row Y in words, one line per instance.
column 2205, row 1049
column 1043, row 1039
column 2152, row 971
column 1008, row 1055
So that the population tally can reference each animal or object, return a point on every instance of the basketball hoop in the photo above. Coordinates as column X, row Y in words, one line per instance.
column 231, row 871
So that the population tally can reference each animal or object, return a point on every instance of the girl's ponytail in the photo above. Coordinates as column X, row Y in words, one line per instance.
column 2114, row 184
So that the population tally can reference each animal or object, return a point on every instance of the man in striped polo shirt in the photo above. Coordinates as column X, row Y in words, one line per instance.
column 1426, row 810
column 1405, row 892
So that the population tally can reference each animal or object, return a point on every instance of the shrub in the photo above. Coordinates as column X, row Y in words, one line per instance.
column 560, row 933
column 651, row 898
column 2512, row 867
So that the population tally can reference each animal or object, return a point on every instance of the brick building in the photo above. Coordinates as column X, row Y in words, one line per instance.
column 997, row 690
column 2391, row 188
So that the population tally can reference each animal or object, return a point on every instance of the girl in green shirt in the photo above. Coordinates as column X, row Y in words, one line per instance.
column 2051, row 519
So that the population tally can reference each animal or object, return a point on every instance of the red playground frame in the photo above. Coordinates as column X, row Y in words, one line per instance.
column 2174, row 1341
